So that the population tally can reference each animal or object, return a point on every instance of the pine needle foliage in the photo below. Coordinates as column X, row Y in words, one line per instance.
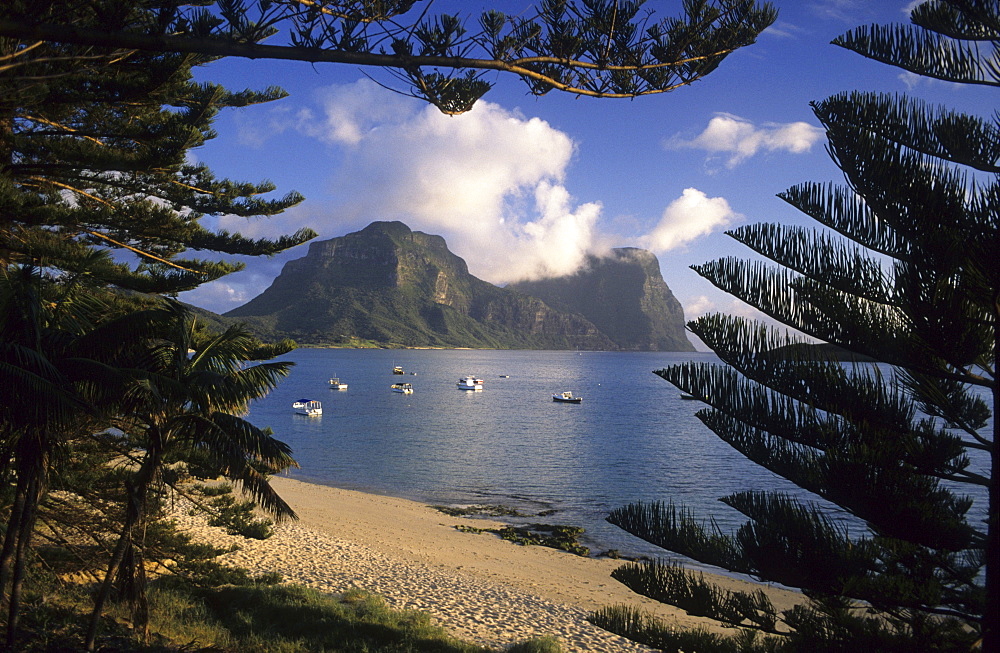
column 596, row 48
column 94, row 145
column 893, row 534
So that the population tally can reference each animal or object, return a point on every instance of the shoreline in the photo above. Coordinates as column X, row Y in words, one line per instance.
column 478, row 586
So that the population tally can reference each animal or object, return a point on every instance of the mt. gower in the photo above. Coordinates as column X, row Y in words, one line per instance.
column 395, row 286
column 624, row 295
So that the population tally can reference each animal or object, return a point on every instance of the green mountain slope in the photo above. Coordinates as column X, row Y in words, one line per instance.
column 393, row 285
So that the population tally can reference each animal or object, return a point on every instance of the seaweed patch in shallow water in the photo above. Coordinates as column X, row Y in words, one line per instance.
column 555, row 536
column 480, row 510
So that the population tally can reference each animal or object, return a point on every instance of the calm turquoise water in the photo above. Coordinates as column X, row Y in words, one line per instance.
column 631, row 439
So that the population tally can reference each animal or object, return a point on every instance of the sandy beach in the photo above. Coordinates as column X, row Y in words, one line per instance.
column 479, row 587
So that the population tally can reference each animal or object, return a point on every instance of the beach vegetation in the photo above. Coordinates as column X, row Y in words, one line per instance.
column 547, row 644
column 239, row 518
column 56, row 383
column 101, row 198
column 297, row 619
column 894, row 531
column 214, row 489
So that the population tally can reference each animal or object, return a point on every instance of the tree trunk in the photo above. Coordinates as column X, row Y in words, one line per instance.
column 10, row 536
column 30, row 462
column 126, row 556
column 102, row 596
column 25, row 531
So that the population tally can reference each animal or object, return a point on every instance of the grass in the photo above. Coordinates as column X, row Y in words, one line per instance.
column 290, row 619
column 253, row 617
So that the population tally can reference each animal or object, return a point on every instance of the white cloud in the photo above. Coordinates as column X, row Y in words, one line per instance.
column 912, row 81
column 784, row 30
column 852, row 12
column 698, row 306
column 257, row 130
column 218, row 296
column 688, row 217
column 351, row 111
column 346, row 114
column 555, row 244
column 741, row 139
column 489, row 181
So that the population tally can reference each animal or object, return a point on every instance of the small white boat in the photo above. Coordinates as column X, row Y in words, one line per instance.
column 567, row 398
column 404, row 388
column 470, row 383
column 397, row 369
column 337, row 384
column 308, row 407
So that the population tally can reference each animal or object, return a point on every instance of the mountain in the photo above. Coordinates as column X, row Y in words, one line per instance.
column 624, row 295
column 391, row 285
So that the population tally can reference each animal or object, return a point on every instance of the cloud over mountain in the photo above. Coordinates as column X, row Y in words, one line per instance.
column 690, row 216
column 491, row 182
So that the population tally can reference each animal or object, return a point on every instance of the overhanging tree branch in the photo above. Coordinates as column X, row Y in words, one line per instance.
column 231, row 48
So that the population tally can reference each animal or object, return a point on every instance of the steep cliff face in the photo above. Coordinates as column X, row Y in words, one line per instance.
column 624, row 295
column 393, row 285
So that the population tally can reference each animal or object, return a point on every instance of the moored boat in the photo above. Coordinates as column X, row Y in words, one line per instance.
column 470, row 383
column 567, row 398
column 308, row 407
column 337, row 384
column 404, row 388
column 397, row 369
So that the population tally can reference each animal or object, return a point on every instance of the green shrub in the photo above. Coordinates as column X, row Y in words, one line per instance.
column 217, row 490
column 545, row 644
column 237, row 517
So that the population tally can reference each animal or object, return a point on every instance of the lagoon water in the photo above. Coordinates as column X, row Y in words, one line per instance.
column 632, row 439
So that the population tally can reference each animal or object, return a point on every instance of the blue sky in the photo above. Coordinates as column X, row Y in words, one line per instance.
column 523, row 187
